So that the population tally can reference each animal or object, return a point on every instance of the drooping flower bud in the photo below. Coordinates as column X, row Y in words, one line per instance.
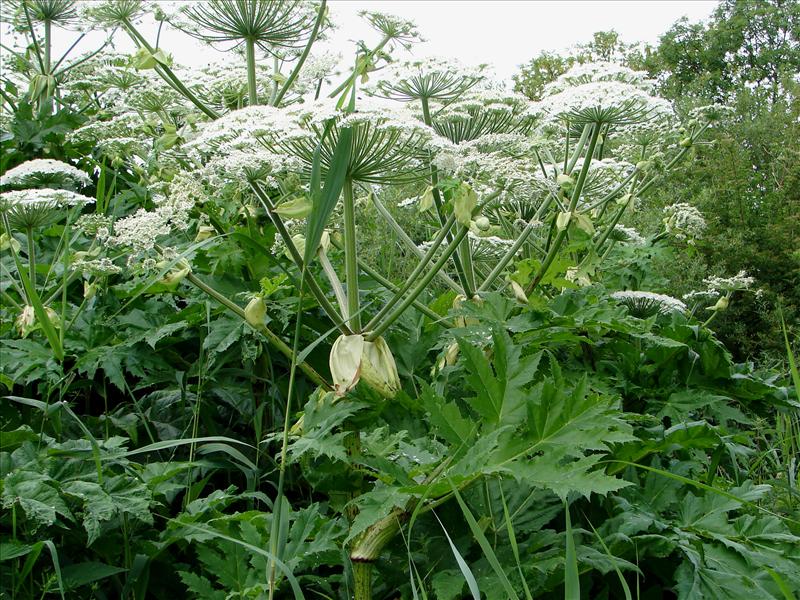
column 353, row 358
column 25, row 321
column 256, row 311
column 204, row 232
column 426, row 200
column 6, row 242
column 721, row 304
column 519, row 292
column 565, row 182
column 562, row 220
column 297, row 208
column 464, row 202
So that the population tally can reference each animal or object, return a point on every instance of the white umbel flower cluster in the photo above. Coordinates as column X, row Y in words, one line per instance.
column 717, row 286
column 629, row 235
column 684, row 222
column 648, row 302
column 44, row 172
column 43, row 197
column 597, row 71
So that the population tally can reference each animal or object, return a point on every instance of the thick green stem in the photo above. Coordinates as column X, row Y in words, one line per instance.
column 47, row 45
column 438, row 203
column 362, row 581
column 351, row 256
column 168, row 74
column 31, row 257
column 576, row 193
column 421, row 285
column 252, row 90
column 300, row 61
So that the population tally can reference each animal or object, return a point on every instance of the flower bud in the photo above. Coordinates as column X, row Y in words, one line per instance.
column 685, row 142
column 89, row 290
column 256, row 311
column 565, row 182
column 426, row 200
column 353, row 358
column 464, row 202
column 451, row 356
column 299, row 241
column 25, row 321
column 204, row 232
column 519, row 292
column 482, row 223
column 562, row 220
column 721, row 304
column 6, row 242
column 297, row 208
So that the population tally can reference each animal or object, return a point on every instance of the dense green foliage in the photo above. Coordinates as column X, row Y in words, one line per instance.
column 179, row 418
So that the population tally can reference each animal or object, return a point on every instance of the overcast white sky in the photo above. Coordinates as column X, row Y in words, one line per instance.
column 504, row 33
column 507, row 33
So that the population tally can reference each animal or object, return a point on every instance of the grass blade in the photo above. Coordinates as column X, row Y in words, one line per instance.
column 462, row 565
column 513, row 539
column 572, row 583
column 625, row 589
column 484, row 544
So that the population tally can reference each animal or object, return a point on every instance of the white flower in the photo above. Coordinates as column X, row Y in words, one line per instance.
column 645, row 304
column 605, row 101
column 717, row 286
column 628, row 235
column 597, row 71
column 44, row 172
column 684, row 221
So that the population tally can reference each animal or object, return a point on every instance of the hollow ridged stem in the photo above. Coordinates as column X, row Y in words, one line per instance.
column 398, row 229
column 438, row 203
column 272, row 338
column 555, row 247
column 252, row 90
column 417, row 290
column 362, row 580
column 31, row 257
column 325, row 304
column 578, row 149
column 415, row 274
column 351, row 255
column 168, row 74
column 300, row 61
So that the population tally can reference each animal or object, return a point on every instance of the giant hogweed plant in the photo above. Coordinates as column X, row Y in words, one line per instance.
column 521, row 200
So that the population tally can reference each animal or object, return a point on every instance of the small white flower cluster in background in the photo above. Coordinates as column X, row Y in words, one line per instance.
column 140, row 231
column 44, row 171
column 630, row 235
column 711, row 112
column 99, row 267
column 123, row 135
column 640, row 303
column 597, row 71
column 684, row 222
column 717, row 286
